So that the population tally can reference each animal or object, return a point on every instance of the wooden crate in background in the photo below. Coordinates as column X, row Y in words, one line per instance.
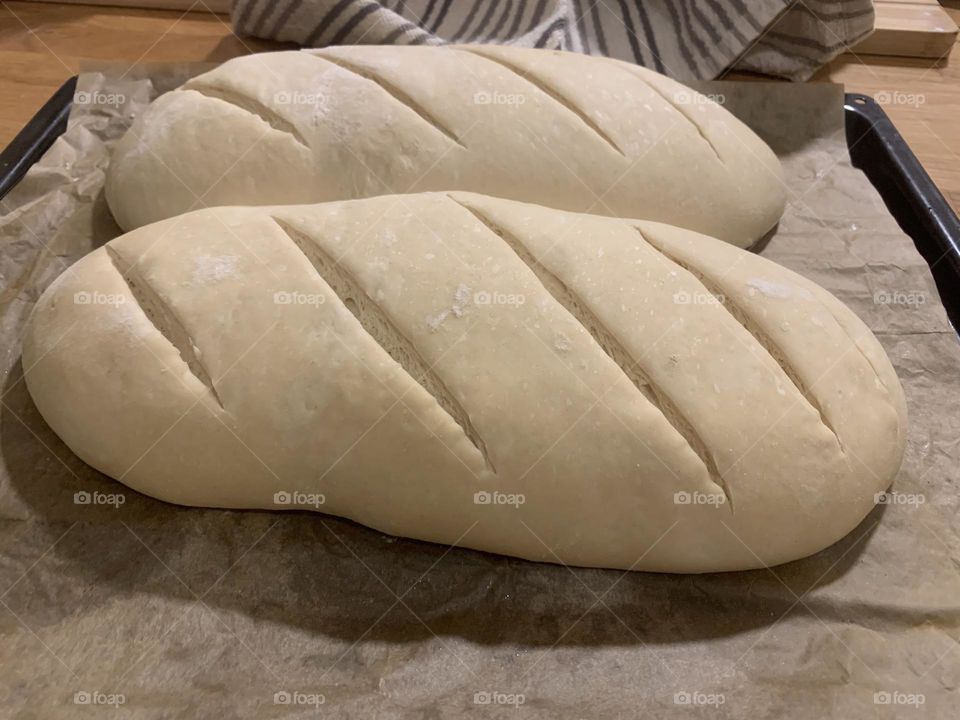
column 910, row 28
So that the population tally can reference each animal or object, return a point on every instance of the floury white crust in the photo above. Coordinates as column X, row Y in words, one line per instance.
column 559, row 129
column 463, row 369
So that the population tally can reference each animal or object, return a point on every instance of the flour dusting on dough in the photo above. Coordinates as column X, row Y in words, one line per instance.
column 209, row 269
column 461, row 298
column 129, row 319
column 435, row 322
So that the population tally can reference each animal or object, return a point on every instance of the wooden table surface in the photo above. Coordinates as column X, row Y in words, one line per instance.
column 42, row 44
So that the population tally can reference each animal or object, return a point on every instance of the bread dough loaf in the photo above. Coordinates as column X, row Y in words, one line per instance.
column 559, row 129
column 469, row 370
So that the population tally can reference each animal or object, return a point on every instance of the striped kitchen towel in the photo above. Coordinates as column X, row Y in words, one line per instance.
column 686, row 39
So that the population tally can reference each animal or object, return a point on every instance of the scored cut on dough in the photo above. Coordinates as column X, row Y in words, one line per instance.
column 657, row 399
column 559, row 129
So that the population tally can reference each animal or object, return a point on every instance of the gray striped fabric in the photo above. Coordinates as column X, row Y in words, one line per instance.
column 686, row 39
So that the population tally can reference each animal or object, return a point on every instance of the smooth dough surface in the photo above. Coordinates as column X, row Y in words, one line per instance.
column 658, row 399
column 559, row 129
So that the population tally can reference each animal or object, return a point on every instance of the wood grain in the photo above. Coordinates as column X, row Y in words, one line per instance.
column 42, row 44
column 910, row 28
column 214, row 6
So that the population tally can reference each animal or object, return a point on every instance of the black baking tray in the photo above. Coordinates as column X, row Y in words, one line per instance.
column 876, row 148
column 32, row 142
column 882, row 154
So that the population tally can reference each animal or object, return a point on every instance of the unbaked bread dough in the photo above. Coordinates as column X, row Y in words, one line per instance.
column 474, row 371
column 559, row 129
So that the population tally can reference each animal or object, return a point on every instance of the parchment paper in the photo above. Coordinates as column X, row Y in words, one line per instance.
column 129, row 606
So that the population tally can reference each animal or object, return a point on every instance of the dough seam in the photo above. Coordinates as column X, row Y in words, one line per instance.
column 678, row 108
column 377, row 324
column 610, row 345
column 250, row 105
column 164, row 319
column 856, row 343
column 550, row 92
column 393, row 91
column 766, row 343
